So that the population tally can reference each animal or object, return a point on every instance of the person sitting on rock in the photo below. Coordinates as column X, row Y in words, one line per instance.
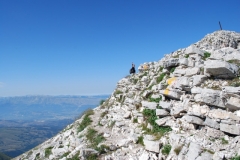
column 132, row 70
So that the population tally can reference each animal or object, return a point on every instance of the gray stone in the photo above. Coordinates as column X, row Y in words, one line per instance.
column 165, row 105
column 172, row 62
column 229, row 90
column 232, row 129
column 149, row 105
column 176, row 111
column 162, row 121
column 211, row 123
column 193, row 119
column 194, row 50
column 233, row 103
column 210, row 97
column 198, row 79
column 194, row 151
column 153, row 146
column 162, row 112
column 220, row 69
column 214, row 133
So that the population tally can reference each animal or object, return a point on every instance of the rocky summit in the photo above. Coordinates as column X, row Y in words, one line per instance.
column 185, row 106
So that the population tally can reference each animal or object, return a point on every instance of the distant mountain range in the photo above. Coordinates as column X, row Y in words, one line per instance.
column 45, row 107
column 27, row 121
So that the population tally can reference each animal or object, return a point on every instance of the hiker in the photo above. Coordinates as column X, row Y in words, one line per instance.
column 132, row 70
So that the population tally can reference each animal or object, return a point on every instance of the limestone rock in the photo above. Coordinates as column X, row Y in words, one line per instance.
column 193, row 119
column 162, row 112
column 233, row 103
column 220, row 69
column 153, row 146
column 232, row 129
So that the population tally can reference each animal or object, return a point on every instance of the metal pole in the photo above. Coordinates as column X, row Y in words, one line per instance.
column 220, row 25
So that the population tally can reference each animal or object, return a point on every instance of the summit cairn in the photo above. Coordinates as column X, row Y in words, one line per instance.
column 185, row 106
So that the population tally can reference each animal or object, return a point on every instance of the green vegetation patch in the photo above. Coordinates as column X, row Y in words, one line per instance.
column 186, row 56
column 235, row 82
column 157, row 100
column 118, row 92
column 75, row 157
column 150, row 116
column 140, row 140
column 86, row 120
column 235, row 61
column 236, row 157
column 172, row 69
column 224, row 141
column 206, row 55
column 48, row 151
column 95, row 139
column 166, row 149
column 160, row 78
column 102, row 101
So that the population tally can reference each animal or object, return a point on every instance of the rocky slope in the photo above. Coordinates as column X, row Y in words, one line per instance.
column 185, row 106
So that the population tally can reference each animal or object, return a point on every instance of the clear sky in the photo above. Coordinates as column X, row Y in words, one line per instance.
column 84, row 47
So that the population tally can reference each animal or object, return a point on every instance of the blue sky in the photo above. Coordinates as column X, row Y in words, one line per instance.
column 79, row 47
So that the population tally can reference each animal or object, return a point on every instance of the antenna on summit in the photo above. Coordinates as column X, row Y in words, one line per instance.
column 220, row 25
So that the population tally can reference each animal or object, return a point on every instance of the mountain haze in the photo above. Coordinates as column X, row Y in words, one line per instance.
column 184, row 106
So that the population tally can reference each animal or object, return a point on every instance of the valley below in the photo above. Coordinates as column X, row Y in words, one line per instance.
column 26, row 122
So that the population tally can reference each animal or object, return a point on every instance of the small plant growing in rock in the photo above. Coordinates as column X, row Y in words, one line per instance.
column 172, row 69
column 86, row 120
column 178, row 149
column 209, row 151
column 166, row 149
column 75, row 157
column 135, row 120
column 112, row 124
column 65, row 154
column 140, row 140
column 155, row 99
column 118, row 92
column 160, row 78
column 186, row 56
column 102, row 101
column 103, row 114
column 206, row 55
column 235, row 61
column 224, row 141
column 48, row 151
column 150, row 116
column 236, row 157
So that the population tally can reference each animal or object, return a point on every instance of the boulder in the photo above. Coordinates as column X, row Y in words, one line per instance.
column 192, row 71
column 194, row 151
column 165, row 105
column 211, row 123
column 172, row 93
column 172, row 62
column 214, row 133
column 153, row 146
column 162, row 121
column 220, row 69
column 232, row 129
column 230, row 91
column 198, row 79
column 194, row 50
column 149, row 105
column 193, row 119
column 176, row 111
column 210, row 97
column 233, row 103
column 162, row 112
